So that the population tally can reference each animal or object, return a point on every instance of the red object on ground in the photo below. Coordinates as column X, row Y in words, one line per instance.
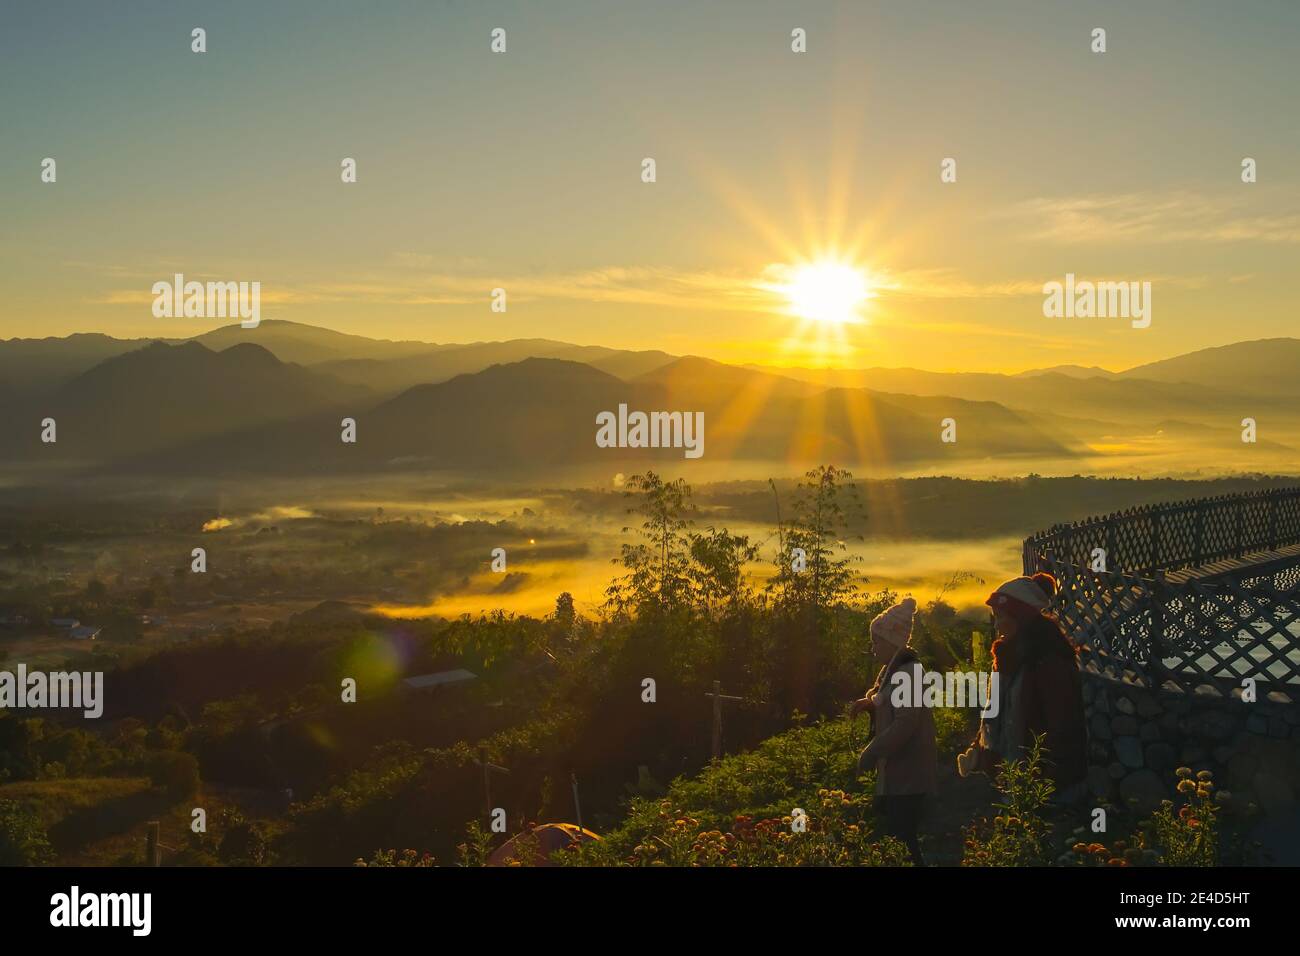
column 539, row 844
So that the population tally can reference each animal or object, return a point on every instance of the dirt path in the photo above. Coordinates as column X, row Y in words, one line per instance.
column 959, row 802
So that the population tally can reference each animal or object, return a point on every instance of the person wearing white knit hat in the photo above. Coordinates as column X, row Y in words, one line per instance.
column 903, row 750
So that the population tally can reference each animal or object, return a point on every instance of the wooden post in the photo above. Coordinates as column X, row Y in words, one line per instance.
column 577, row 804
column 1157, row 650
column 718, row 698
column 152, row 850
column 488, row 770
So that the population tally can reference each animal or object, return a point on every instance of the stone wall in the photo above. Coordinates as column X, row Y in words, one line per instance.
column 1138, row 737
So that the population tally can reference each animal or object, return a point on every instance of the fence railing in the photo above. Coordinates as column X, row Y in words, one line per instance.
column 1170, row 537
column 1133, row 622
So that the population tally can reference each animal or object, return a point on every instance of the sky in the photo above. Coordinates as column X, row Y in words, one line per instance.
column 523, row 171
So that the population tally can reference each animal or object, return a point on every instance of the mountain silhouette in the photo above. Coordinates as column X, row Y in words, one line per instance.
column 184, row 406
column 162, row 395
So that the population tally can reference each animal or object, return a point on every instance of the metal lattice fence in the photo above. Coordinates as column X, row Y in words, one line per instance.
column 1197, row 592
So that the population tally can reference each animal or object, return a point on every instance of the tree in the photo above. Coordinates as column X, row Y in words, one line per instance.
column 717, row 568
column 814, row 573
column 658, row 566
column 565, row 614
column 813, row 584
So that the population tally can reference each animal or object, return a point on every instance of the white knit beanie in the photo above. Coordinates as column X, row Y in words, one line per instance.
column 1022, row 589
column 894, row 626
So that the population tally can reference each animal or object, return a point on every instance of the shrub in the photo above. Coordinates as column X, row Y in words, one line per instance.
column 176, row 773
column 1186, row 835
column 477, row 846
column 386, row 858
column 836, row 832
column 243, row 842
column 22, row 838
column 1018, row 834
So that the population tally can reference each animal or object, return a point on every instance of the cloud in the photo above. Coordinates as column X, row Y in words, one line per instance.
column 1149, row 218
column 407, row 283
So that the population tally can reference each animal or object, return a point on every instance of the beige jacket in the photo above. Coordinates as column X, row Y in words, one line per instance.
column 903, row 745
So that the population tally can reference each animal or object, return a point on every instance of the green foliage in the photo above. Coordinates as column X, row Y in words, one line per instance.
column 953, row 728
column 40, row 749
column 781, row 773
column 1018, row 835
column 740, row 811
column 22, row 838
column 243, row 842
column 836, row 831
column 176, row 773
column 717, row 570
column 386, row 858
column 564, row 692
column 980, row 653
column 822, row 506
column 1187, row 835
column 477, row 846
column 656, row 578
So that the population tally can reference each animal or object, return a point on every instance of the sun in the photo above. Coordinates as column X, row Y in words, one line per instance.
column 827, row 292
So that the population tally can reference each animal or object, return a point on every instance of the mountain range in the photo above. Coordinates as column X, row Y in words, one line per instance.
column 273, row 399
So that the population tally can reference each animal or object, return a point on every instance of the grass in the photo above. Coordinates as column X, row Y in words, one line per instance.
column 53, row 801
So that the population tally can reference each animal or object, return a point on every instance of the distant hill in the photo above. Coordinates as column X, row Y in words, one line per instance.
column 1071, row 371
column 391, row 375
column 1266, row 367
column 534, row 414
column 230, row 399
column 309, row 344
column 162, row 395
column 41, row 366
column 540, row 414
column 1125, row 398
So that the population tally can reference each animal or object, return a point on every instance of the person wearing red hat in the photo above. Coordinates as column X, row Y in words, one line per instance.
column 1039, row 690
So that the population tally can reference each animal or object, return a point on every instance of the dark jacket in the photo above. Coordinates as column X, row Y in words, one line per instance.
column 1042, row 672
